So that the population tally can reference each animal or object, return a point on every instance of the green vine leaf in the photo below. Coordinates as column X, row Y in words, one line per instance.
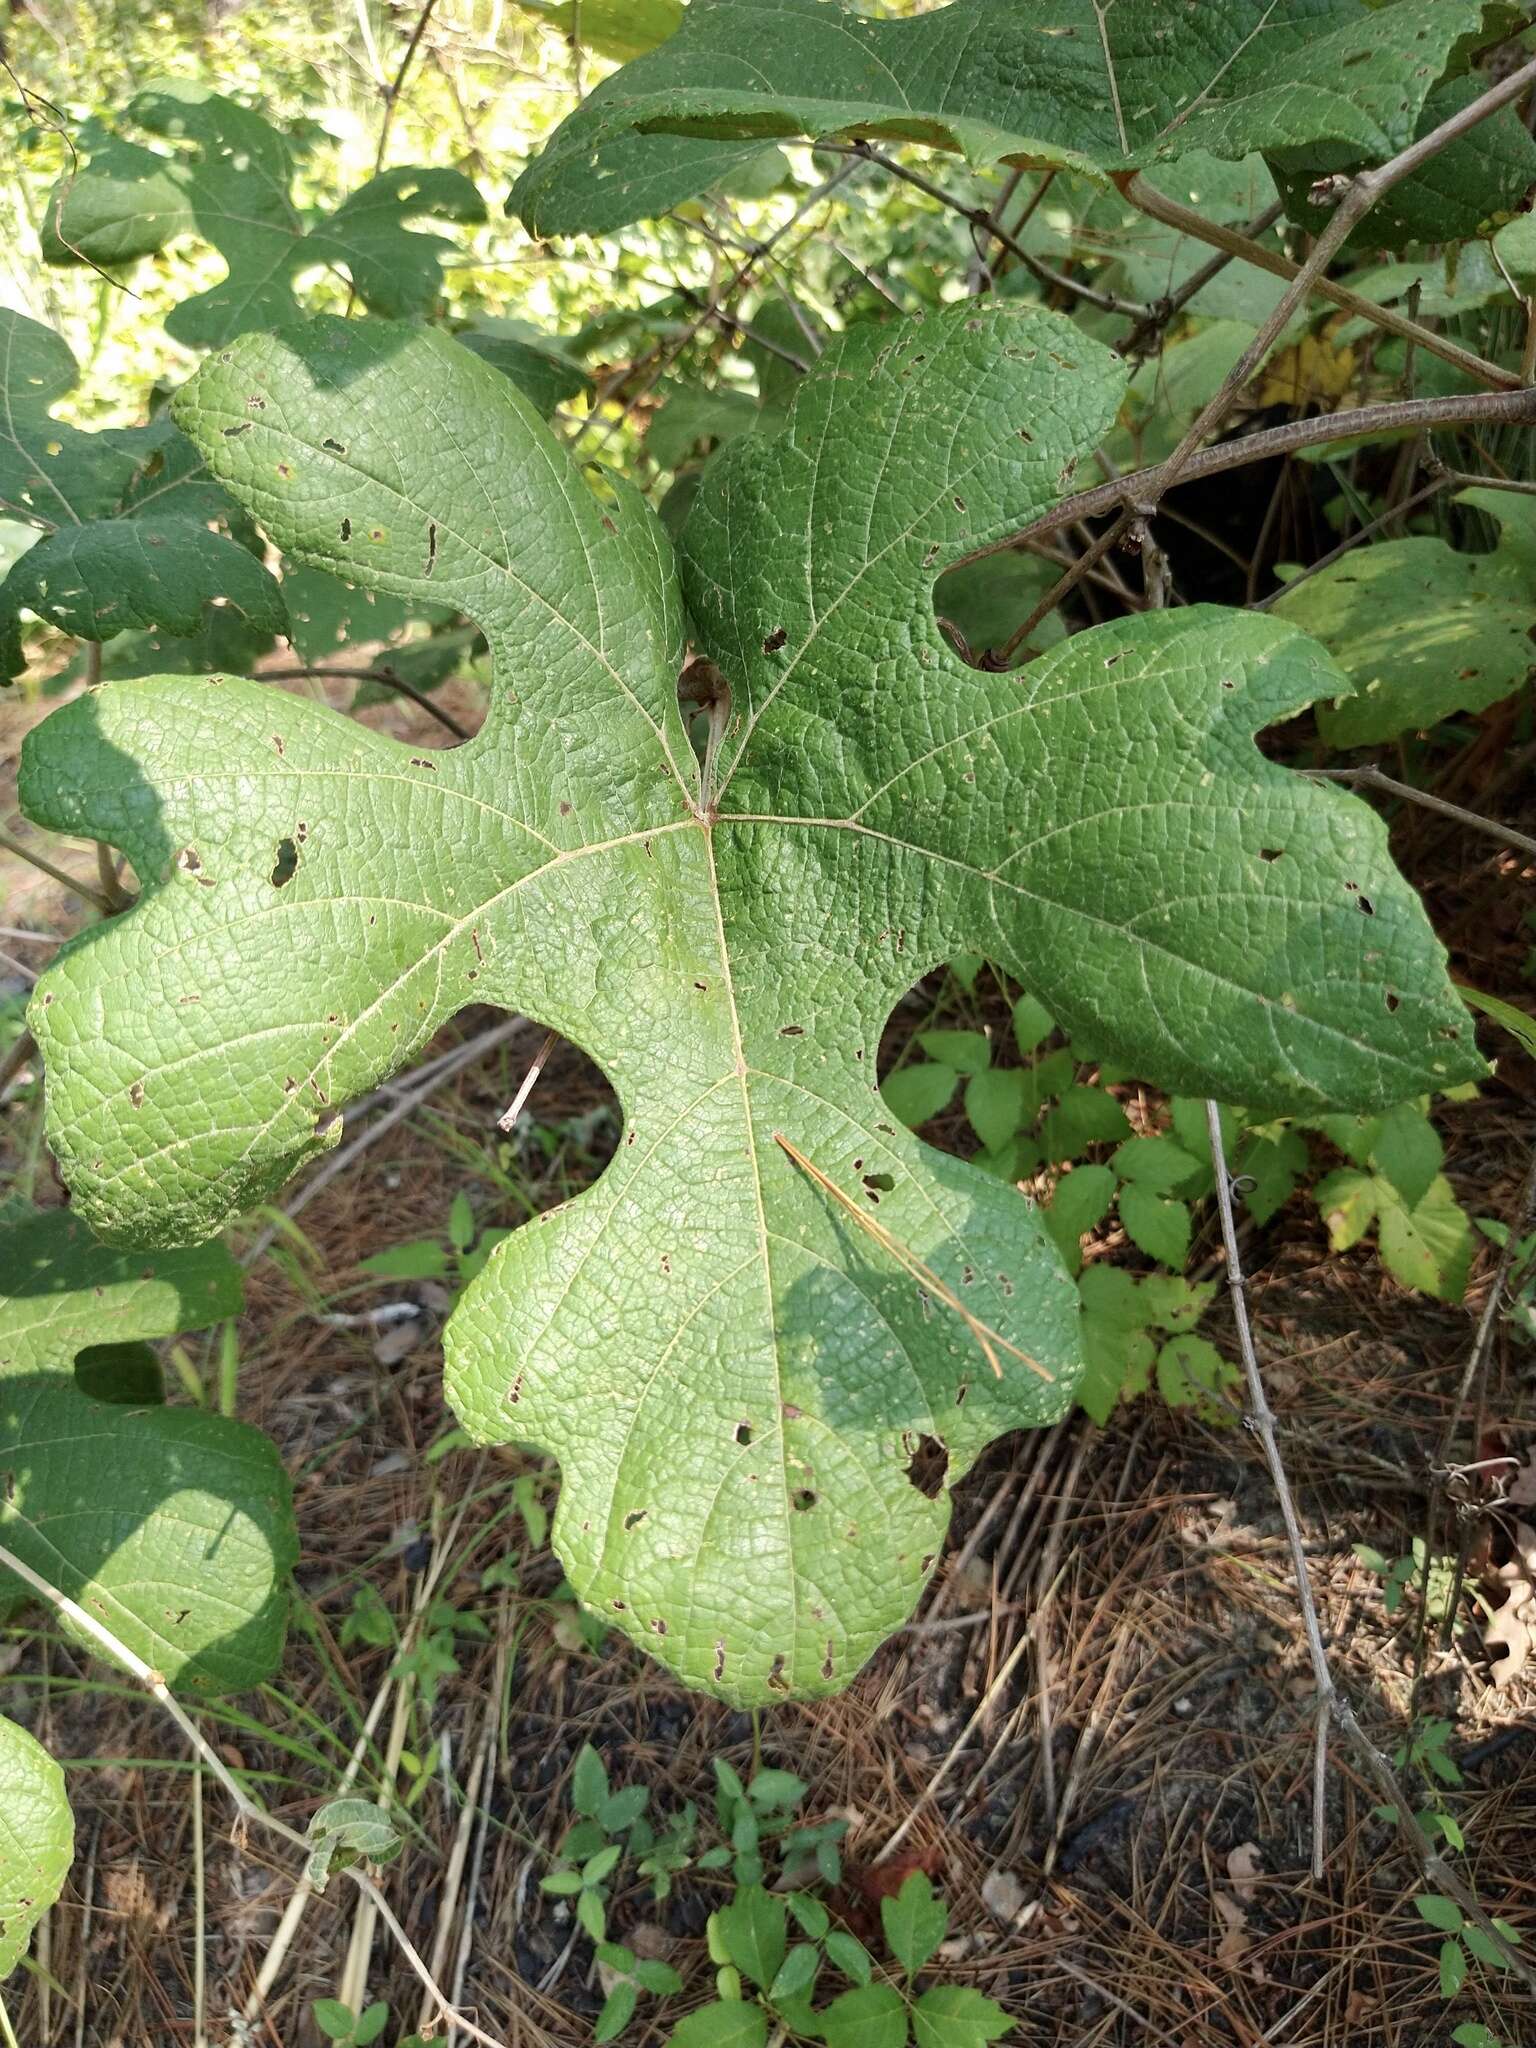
column 37, row 1839
column 228, row 183
column 1068, row 84
column 170, row 1525
column 762, row 1346
column 123, row 538
column 1422, row 630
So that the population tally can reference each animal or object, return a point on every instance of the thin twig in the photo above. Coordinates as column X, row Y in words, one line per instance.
column 1163, row 311
column 1371, row 777
column 1259, row 1419
column 1244, row 247
column 1389, row 517
column 384, row 675
column 46, row 866
column 986, row 223
column 392, row 92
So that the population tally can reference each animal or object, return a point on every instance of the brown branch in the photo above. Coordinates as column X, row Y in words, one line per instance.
column 1162, row 311
column 1393, row 415
column 1242, row 245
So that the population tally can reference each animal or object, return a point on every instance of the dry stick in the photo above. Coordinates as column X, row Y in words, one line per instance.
column 392, row 92
column 1421, row 496
column 1482, row 1342
column 530, row 1081
column 46, row 866
column 250, row 1813
column 1332, row 1705
column 1242, row 245
column 1371, row 777
column 1359, row 196
column 1392, row 415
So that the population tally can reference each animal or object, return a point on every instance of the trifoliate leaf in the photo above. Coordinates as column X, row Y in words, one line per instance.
column 170, row 1525
column 736, row 1342
column 228, row 182
column 1065, row 83
column 37, row 1839
column 1422, row 630
column 122, row 516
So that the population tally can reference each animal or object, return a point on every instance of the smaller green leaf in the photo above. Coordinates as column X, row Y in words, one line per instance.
column 1192, row 1373
column 370, row 2022
column 809, row 1914
column 602, row 1865
column 1157, row 1227
column 968, row 1052
column 1156, row 1164
column 919, row 1091
column 1078, row 1202
column 1032, row 1024
column 873, row 2016
column 1270, row 1169
column 461, row 1222
column 591, row 1914
column 1510, row 1934
column 347, row 1831
column 589, row 1781
column 1453, row 1968
column 1520, row 1025
column 733, row 2024
column 994, row 1103
column 622, row 1809
column 1084, row 1116
column 914, row 1922
column 1473, row 2034
column 752, row 1927
column 850, row 1955
column 1408, row 1152
column 776, row 1791
column 332, row 2018
column 618, row 2010
column 422, row 1259
column 1170, row 1302
column 36, row 1839
column 1430, row 1246
column 954, row 2016
column 1442, row 1913
column 1486, row 1950
column 561, row 1884
column 1347, row 1202
column 797, row 1972
column 659, row 1978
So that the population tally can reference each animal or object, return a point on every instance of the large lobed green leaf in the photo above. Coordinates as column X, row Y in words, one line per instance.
column 1313, row 85
column 170, row 1525
column 1422, row 630
column 122, row 516
column 750, row 1392
column 37, row 1839
column 229, row 184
